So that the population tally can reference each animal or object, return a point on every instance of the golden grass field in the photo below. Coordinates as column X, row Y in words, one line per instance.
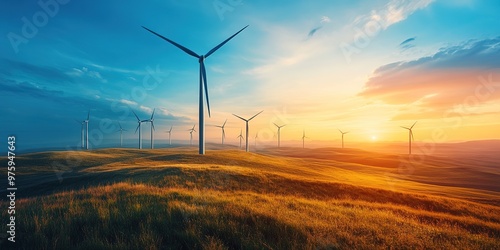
column 287, row 198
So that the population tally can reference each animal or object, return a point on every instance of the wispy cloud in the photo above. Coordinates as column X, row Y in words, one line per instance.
column 393, row 12
column 407, row 44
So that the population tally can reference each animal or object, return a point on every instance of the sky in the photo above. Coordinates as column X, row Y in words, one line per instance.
column 367, row 67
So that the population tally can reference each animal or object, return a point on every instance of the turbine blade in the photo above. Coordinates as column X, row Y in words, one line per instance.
column 88, row 116
column 276, row 125
column 412, row 138
column 136, row 116
column 204, row 74
column 405, row 127
column 222, row 44
column 153, row 125
column 137, row 128
column 341, row 131
column 152, row 115
column 255, row 115
column 224, row 124
column 120, row 126
column 188, row 51
column 240, row 117
column 223, row 134
column 413, row 124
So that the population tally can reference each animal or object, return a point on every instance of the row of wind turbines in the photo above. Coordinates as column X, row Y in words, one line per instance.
column 85, row 129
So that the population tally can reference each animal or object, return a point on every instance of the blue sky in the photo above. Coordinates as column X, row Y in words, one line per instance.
column 315, row 65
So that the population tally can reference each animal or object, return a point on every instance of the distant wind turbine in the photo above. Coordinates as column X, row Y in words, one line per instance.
column 203, row 81
column 121, row 132
column 191, row 135
column 303, row 138
column 279, row 132
column 139, row 127
column 343, row 133
column 151, row 120
column 223, row 132
column 169, row 134
column 246, row 121
column 87, row 131
column 240, row 136
column 410, row 136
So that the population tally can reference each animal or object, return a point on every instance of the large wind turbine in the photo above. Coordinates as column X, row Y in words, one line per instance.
column 139, row 127
column 191, row 135
column 121, row 131
column 240, row 136
column 279, row 132
column 203, row 81
column 343, row 133
column 223, row 132
column 246, row 121
column 169, row 134
column 151, row 120
column 410, row 136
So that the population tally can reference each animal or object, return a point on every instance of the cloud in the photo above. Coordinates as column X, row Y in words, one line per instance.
column 85, row 72
column 407, row 44
column 17, row 69
column 393, row 12
column 443, row 80
column 128, row 102
column 323, row 20
column 16, row 88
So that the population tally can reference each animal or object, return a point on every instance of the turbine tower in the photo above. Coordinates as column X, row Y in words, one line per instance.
column 121, row 131
column 410, row 136
column 343, row 133
column 87, row 131
column 151, row 120
column 191, row 135
column 240, row 136
column 203, row 81
column 246, row 121
column 223, row 132
column 279, row 132
column 169, row 134
column 139, row 127
column 303, row 138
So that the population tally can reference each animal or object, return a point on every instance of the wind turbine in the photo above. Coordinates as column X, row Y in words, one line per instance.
column 87, row 130
column 303, row 138
column 191, row 135
column 121, row 131
column 223, row 133
column 203, row 81
column 343, row 133
column 279, row 132
column 169, row 134
column 151, row 120
column 240, row 136
column 139, row 127
column 410, row 136
column 246, row 121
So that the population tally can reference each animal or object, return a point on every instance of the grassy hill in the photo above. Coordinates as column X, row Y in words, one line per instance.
column 228, row 199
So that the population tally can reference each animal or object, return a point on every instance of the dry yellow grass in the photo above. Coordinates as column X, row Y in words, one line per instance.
column 160, row 199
